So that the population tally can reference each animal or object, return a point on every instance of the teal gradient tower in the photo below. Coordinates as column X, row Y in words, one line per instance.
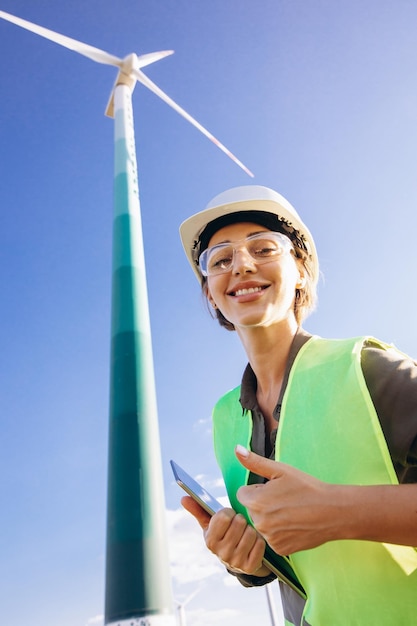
column 138, row 587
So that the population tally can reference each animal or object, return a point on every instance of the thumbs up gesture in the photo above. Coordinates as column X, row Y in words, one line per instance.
column 293, row 511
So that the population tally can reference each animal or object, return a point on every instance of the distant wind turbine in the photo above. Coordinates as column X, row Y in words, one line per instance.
column 182, row 621
column 138, row 589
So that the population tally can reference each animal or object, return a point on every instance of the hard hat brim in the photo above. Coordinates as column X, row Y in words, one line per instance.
column 238, row 200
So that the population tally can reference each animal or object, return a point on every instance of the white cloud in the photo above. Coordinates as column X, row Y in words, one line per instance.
column 98, row 620
column 189, row 558
column 203, row 425
column 230, row 581
column 218, row 483
column 204, row 617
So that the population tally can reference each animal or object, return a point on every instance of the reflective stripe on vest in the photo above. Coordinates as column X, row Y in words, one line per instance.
column 329, row 429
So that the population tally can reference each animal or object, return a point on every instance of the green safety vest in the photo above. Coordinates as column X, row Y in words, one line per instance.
column 329, row 428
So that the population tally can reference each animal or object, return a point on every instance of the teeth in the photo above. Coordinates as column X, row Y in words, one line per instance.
column 243, row 292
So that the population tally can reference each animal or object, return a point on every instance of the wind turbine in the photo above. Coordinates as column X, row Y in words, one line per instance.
column 182, row 621
column 138, row 590
column 129, row 73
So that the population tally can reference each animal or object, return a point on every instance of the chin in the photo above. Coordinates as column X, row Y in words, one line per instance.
column 252, row 323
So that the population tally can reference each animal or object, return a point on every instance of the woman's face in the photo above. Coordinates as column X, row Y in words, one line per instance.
column 252, row 294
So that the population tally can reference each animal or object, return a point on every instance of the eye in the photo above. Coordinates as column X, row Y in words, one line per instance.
column 220, row 259
column 265, row 248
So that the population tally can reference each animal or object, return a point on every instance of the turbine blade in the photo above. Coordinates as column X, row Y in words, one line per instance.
column 109, row 111
column 100, row 56
column 140, row 76
column 151, row 57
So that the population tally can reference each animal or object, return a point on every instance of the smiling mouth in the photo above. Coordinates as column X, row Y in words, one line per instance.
column 244, row 292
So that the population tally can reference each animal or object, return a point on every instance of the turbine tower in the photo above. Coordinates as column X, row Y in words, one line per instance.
column 138, row 589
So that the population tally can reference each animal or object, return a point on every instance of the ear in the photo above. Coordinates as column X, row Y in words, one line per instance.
column 210, row 298
column 213, row 304
column 301, row 282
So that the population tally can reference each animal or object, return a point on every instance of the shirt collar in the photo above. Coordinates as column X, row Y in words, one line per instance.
column 249, row 382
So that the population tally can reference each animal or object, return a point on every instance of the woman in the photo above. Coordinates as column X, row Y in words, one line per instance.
column 318, row 445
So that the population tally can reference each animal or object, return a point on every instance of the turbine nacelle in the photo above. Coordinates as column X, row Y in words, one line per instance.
column 129, row 67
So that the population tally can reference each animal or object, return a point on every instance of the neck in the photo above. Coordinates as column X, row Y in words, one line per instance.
column 268, row 349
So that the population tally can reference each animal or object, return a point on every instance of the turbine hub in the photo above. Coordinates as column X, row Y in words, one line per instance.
column 129, row 63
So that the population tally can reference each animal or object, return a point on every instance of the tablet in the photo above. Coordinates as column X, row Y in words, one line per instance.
column 278, row 564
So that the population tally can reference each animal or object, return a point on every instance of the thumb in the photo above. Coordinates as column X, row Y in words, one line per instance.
column 257, row 464
column 202, row 517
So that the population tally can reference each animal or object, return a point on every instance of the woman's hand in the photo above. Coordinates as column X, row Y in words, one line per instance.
column 227, row 534
column 289, row 510
column 294, row 511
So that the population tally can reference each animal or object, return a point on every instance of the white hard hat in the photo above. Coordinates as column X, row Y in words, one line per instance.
column 262, row 205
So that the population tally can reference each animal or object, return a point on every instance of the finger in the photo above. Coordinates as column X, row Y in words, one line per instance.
column 234, row 525
column 248, row 495
column 202, row 517
column 258, row 464
column 248, row 552
column 221, row 524
column 238, row 546
column 224, row 533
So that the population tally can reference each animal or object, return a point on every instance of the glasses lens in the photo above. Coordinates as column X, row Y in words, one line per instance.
column 219, row 259
column 262, row 247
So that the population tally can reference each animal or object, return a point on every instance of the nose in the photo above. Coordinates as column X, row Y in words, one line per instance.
column 242, row 261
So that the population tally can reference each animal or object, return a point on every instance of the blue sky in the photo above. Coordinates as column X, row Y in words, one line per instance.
column 319, row 100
